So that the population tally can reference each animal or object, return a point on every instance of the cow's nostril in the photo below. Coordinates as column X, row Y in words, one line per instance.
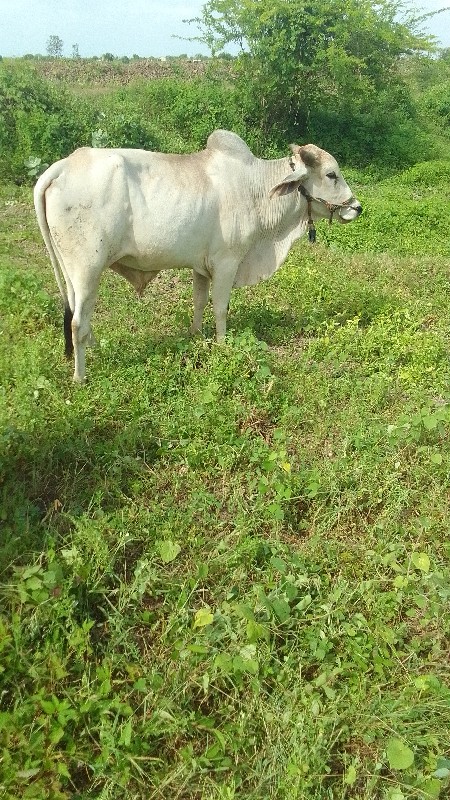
column 358, row 209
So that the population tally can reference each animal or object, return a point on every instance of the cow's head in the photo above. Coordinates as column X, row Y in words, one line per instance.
column 316, row 174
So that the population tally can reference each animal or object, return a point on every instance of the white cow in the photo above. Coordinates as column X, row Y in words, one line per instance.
column 222, row 212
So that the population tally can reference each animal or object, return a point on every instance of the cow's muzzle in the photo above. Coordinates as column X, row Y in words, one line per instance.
column 350, row 204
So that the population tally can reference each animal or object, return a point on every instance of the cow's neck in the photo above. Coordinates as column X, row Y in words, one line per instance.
column 288, row 212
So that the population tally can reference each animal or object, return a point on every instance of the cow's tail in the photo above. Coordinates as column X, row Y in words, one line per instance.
column 39, row 203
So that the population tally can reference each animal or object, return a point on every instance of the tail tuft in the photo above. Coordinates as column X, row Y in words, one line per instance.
column 68, row 314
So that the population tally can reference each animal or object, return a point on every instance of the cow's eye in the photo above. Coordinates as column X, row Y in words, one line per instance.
column 332, row 176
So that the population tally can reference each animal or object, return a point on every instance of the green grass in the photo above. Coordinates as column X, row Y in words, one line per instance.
column 225, row 569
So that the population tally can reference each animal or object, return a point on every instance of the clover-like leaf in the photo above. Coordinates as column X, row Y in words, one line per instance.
column 203, row 617
column 421, row 561
column 168, row 550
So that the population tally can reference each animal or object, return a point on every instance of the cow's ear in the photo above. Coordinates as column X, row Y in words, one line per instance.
column 291, row 182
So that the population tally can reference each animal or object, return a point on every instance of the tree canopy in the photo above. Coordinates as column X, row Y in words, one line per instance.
column 304, row 65
column 55, row 46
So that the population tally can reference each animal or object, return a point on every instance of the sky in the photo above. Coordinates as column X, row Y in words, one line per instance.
column 126, row 27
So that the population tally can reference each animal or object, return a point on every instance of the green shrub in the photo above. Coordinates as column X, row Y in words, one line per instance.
column 183, row 113
column 123, row 129
column 436, row 102
column 37, row 120
column 382, row 132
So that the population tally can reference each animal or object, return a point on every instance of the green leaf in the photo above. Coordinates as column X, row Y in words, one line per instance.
column 33, row 584
column 275, row 511
column 168, row 550
column 47, row 706
column 241, row 664
column 203, row 617
column 29, row 571
column 256, row 631
column 32, row 162
column 244, row 611
column 278, row 564
column 281, row 609
column 350, row 775
column 395, row 794
column 63, row 769
column 199, row 649
column 25, row 774
column 224, row 662
column 248, row 652
column 436, row 458
column 431, row 788
column 399, row 755
column 56, row 734
column 421, row 561
column 125, row 734
column 441, row 773
column 304, row 602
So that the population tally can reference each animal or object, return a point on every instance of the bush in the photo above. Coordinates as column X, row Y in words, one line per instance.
column 437, row 103
column 184, row 113
column 37, row 120
column 122, row 129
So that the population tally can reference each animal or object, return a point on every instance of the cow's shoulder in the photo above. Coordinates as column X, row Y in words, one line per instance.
column 230, row 144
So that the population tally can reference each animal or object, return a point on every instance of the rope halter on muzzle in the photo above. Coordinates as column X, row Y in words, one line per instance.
column 331, row 207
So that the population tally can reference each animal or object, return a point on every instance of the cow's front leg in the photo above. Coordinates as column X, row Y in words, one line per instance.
column 201, row 294
column 222, row 284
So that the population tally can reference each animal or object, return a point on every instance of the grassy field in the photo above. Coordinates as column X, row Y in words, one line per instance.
column 88, row 73
column 225, row 568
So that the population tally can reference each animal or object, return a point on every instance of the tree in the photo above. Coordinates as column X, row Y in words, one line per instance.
column 305, row 66
column 55, row 46
column 75, row 51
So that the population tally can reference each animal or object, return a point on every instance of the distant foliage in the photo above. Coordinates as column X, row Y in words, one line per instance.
column 49, row 107
column 55, row 46
column 100, row 138
column 183, row 113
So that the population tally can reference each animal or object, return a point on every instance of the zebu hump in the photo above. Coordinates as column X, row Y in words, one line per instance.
column 230, row 144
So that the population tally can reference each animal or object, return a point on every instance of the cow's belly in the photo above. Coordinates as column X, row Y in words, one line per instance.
column 140, row 275
column 153, row 266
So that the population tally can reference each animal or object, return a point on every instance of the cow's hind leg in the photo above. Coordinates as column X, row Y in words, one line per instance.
column 201, row 294
column 85, row 297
